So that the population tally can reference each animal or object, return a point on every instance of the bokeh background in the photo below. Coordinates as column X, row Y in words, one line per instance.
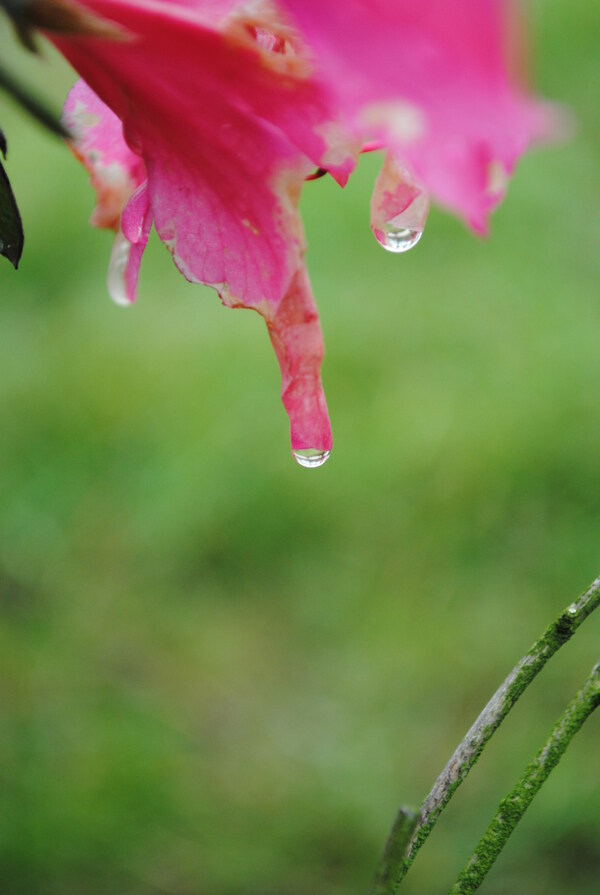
column 221, row 673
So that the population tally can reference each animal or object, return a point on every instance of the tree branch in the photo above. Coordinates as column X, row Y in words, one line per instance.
column 513, row 807
column 477, row 737
column 393, row 853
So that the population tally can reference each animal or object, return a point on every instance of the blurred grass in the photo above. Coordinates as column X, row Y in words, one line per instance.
column 220, row 673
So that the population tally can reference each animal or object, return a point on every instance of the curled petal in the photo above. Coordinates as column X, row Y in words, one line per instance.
column 128, row 247
column 98, row 142
column 119, row 177
column 295, row 333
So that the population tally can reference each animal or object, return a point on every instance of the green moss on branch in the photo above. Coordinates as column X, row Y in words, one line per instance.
column 477, row 737
column 513, row 807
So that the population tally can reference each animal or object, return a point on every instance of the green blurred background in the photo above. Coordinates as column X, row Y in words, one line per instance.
column 221, row 673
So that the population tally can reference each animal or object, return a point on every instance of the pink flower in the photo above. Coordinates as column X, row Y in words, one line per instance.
column 207, row 117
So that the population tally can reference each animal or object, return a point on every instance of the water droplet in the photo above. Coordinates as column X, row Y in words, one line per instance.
column 572, row 610
column 115, row 280
column 311, row 458
column 398, row 239
column 399, row 208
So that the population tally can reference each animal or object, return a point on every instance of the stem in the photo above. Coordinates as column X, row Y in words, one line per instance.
column 513, row 807
column 393, row 852
column 477, row 737
column 31, row 104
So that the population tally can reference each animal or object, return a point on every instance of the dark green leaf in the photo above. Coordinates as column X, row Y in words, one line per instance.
column 11, row 228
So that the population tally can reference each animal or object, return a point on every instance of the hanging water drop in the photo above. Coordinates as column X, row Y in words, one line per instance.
column 398, row 239
column 399, row 208
column 115, row 280
column 311, row 458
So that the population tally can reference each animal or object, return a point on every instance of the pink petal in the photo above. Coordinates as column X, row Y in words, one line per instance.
column 231, row 108
column 221, row 125
column 115, row 171
column 229, row 217
column 227, row 148
column 296, row 336
column 130, row 242
column 119, row 178
column 429, row 79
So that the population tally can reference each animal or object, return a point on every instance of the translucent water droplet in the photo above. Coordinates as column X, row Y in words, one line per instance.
column 398, row 239
column 399, row 208
column 572, row 610
column 115, row 280
column 311, row 458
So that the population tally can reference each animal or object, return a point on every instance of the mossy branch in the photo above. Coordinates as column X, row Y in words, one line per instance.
column 395, row 848
column 477, row 737
column 513, row 807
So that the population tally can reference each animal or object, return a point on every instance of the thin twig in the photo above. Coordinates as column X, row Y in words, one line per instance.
column 31, row 104
column 477, row 737
column 395, row 847
column 513, row 807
